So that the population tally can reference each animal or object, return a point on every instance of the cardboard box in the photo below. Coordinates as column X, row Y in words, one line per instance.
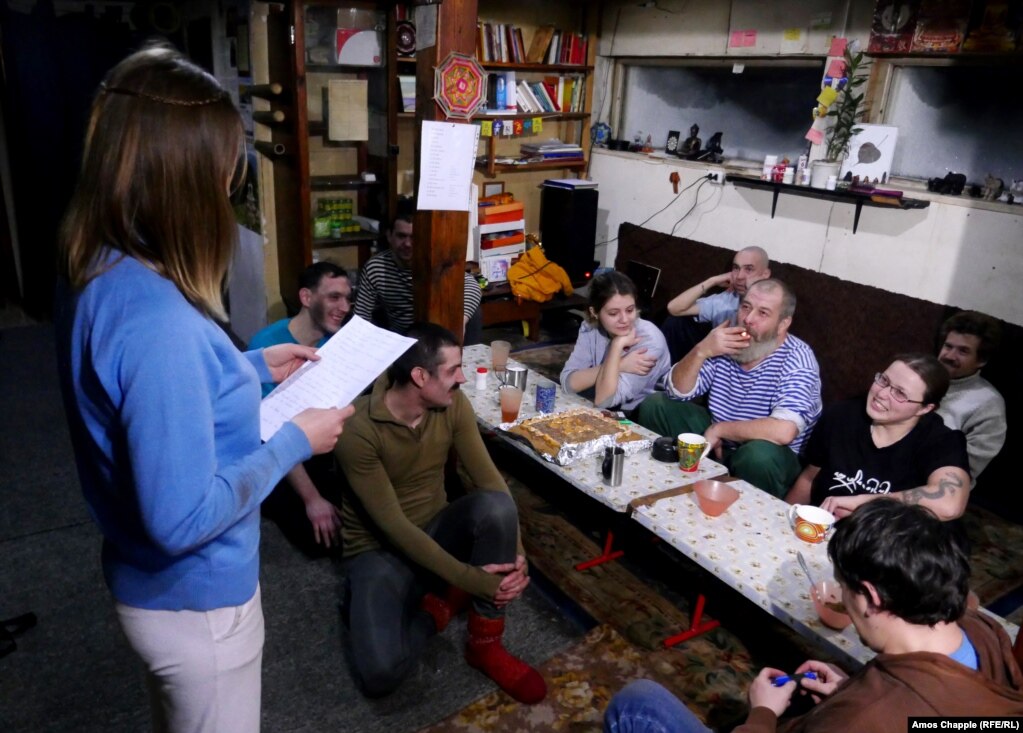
column 359, row 47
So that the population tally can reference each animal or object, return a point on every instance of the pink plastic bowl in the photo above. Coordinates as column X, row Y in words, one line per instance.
column 827, row 599
column 714, row 497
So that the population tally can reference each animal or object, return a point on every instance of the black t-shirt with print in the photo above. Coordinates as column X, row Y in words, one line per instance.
column 851, row 464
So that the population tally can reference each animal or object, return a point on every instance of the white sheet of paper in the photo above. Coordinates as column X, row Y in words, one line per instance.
column 348, row 118
column 350, row 360
column 446, row 166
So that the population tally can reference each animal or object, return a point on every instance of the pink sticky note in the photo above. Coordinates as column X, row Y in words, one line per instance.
column 815, row 136
column 742, row 39
column 837, row 47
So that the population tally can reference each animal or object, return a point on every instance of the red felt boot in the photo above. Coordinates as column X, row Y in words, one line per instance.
column 436, row 607
column 486, row 653
column 444, row 609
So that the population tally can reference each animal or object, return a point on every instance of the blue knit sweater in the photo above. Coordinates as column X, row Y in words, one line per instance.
column 164, row 418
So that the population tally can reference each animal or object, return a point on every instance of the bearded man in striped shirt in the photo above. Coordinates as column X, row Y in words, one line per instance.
column 763, row 391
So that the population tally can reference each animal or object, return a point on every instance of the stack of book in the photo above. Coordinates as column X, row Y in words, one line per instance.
column 553, row 94
column 499, row 43
column 552, row 149
column 502, row 43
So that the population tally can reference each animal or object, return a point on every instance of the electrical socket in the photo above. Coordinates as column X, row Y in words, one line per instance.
column 716, row 176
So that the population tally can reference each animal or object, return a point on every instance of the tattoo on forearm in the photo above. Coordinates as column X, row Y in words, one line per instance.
column 947, row 486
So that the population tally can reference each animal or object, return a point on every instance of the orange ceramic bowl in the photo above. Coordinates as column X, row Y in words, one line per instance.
column 714, row 497
column 827, row 600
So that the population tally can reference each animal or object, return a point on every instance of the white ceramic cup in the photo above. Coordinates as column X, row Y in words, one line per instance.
column 810, row 523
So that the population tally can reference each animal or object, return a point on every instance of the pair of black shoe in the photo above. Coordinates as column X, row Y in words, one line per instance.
column 11, row 628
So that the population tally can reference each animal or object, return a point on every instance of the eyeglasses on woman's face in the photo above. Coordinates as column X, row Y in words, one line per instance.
column 898, row 394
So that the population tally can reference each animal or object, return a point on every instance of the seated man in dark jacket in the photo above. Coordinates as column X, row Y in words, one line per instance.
column 904, row 576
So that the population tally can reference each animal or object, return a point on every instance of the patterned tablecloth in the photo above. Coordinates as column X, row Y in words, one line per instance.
column 752, row 549
column 642, row 476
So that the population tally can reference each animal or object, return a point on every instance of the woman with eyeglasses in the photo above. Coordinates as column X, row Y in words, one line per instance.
column 896, row 446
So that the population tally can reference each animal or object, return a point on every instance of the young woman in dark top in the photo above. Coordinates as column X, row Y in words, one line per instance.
column 894, row 445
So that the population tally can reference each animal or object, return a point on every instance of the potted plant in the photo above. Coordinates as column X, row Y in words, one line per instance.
column 845, row 112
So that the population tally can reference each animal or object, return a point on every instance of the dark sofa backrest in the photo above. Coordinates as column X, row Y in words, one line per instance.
column 853, row 329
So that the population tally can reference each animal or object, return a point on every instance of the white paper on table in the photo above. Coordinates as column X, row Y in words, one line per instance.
column 446, row 166
column 350, row 360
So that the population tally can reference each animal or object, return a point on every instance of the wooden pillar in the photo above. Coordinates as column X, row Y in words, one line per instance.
column 438, row 258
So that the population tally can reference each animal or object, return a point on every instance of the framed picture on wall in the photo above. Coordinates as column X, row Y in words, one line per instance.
column 870, row 153
column 492, row 188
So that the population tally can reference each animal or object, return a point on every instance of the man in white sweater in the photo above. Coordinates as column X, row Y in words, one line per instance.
column 972, row 404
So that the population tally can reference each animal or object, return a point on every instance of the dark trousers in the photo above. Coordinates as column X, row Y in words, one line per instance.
column 768, row 466
column 388, row 628
column 683, row 333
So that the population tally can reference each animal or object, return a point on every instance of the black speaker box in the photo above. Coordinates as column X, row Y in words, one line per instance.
column 568, row 228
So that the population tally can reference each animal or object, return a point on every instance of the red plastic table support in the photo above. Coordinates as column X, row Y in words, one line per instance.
column 695, row 627
column 606, row 556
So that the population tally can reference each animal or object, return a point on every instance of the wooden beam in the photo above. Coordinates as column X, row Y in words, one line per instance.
column 438, row 259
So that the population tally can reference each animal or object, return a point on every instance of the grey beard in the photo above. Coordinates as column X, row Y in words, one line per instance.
column 756, row 351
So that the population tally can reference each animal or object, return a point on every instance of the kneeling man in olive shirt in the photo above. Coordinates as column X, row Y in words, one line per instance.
column 413, row 558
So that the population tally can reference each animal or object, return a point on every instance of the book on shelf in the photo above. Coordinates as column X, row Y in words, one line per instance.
column 552, row 145
column 501, row 93
column 550, row 84
column 541, row 42
column 572, row 183
column 519, row 46
column 525, row 98
column 540, row 92
column 552, row 51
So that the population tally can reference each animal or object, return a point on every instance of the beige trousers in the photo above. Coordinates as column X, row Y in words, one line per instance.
column 203, row 667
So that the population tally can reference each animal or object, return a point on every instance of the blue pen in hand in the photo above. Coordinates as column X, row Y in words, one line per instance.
column 779, row 681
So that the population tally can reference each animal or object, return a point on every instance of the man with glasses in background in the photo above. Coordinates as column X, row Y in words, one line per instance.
column 895, row 445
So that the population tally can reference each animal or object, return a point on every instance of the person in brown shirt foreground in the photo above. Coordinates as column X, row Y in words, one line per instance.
column 412, row 558
column 904, row 576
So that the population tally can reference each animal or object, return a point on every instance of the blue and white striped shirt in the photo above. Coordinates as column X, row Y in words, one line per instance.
column 786, row 386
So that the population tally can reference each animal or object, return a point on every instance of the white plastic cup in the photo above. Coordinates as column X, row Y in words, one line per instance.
column 832, row 183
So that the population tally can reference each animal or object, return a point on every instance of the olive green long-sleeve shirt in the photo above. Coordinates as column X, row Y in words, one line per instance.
column 396, row 474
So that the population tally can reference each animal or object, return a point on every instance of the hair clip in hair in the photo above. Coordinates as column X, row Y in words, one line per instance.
column 162, row 100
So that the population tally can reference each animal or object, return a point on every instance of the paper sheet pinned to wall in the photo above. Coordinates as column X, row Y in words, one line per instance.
column 793, row 40
column 742, row 39
column 447, row 160
column 347, row 110
column 350, row 360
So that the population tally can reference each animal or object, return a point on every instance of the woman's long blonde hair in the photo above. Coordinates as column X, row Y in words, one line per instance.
column 163, row 144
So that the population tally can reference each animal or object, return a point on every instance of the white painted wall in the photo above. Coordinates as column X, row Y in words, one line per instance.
column 953, row 253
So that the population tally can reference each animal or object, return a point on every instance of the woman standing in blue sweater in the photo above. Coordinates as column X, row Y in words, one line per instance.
column 163, row 409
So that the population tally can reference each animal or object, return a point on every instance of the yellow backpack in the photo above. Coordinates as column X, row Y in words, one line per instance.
column 534, row 277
